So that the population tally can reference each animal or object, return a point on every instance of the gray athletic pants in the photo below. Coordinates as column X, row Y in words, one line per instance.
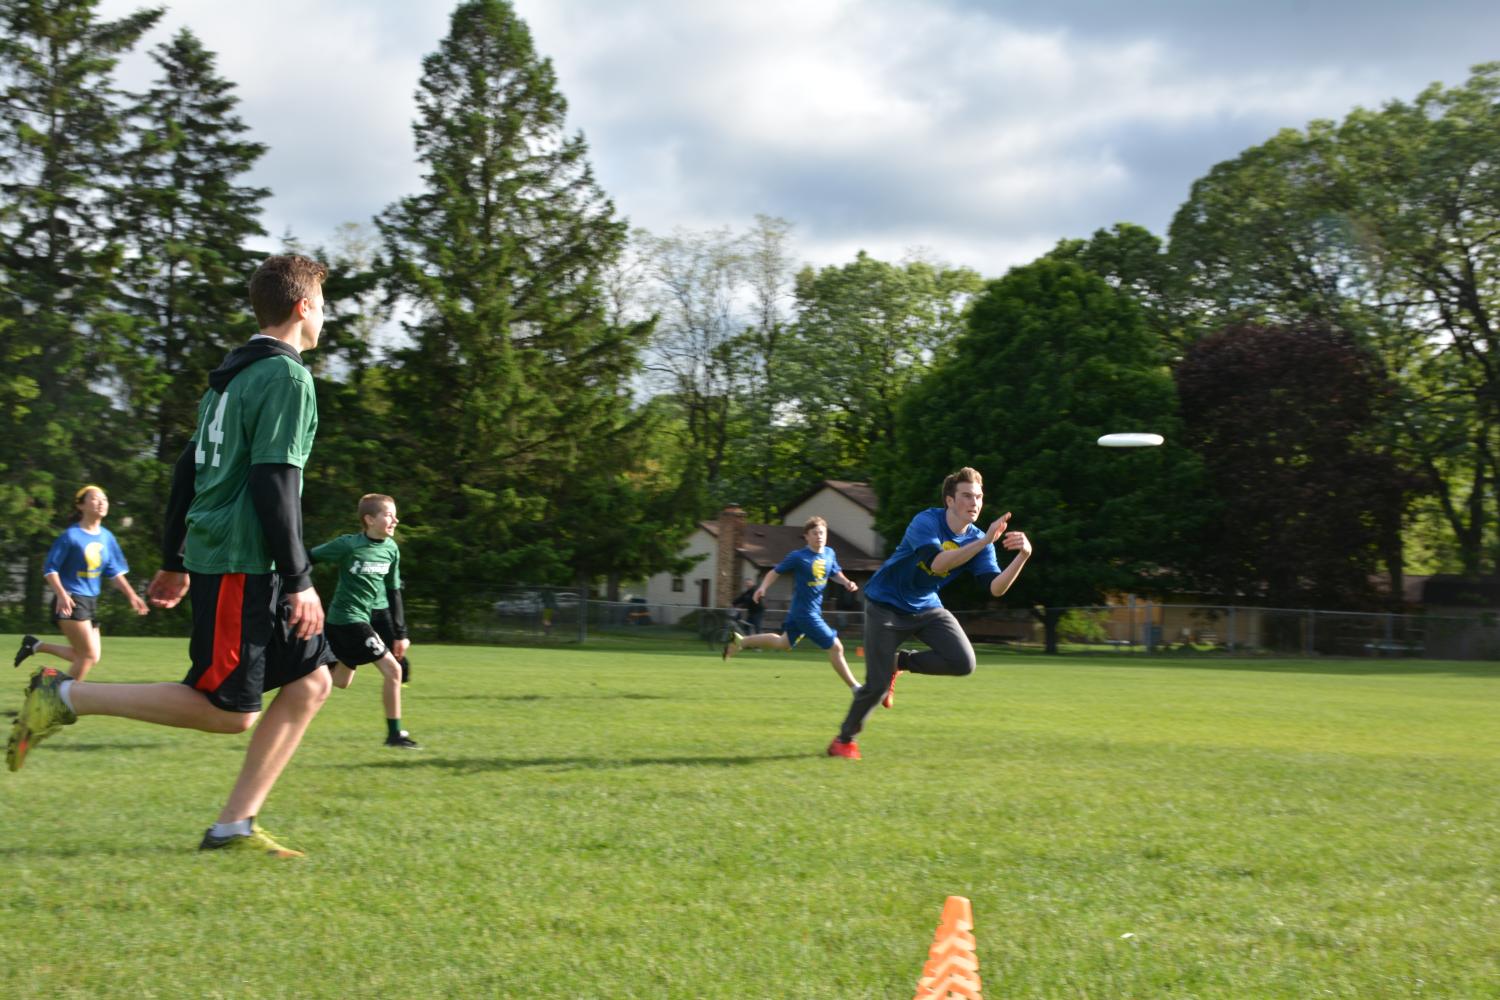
column 950, row 654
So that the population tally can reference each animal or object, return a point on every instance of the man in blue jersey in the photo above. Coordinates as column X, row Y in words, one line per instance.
column 901, row 599
column 811, row 567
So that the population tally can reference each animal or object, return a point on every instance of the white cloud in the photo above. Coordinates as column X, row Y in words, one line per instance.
column 869, row 123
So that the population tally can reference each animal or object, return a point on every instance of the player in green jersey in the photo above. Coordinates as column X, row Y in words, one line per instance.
column 234, row 534
column 369, row 575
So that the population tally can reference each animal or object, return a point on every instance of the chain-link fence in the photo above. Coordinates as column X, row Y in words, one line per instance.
column 526, row 614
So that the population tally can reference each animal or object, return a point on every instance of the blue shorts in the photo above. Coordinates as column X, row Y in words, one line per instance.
column 812, row 626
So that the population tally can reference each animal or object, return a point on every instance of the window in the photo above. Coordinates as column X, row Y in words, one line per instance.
column 677, row 586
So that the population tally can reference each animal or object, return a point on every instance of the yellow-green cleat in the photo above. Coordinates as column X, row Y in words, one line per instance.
column 735, row 644
column 257, row 841
column 42, row 714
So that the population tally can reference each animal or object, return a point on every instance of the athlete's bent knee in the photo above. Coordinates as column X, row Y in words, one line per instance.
column 234, row 723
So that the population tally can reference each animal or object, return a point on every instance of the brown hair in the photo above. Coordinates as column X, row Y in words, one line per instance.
column 812, row 523
column 964, row 475
column 280, row 283
column 370, row 504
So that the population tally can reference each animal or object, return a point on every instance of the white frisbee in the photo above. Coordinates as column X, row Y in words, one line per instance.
column 1131, row 440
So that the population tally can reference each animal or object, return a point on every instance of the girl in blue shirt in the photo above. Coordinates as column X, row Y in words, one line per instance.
column 82, row 556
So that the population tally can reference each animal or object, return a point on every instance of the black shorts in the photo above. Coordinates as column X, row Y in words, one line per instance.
column 355, row 644
column 85, row 608
column 241, row 645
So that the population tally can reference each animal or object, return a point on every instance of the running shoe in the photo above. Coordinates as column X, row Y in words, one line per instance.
column 403, row 740
column 735, row 644
column 42, row 714
column 889, row 701
column 849, row 751
column 257, row 841
column 28, row 648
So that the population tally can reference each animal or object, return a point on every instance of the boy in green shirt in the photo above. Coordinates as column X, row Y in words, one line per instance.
column 369, row 577
column 234, row 533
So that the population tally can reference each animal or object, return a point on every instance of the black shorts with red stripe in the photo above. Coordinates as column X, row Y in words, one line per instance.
column 242, row 645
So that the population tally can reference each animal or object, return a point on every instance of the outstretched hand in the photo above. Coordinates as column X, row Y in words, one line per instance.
column 1017, row 542
column 997, row 528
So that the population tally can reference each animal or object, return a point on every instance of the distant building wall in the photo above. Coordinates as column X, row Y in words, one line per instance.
column 843, row 515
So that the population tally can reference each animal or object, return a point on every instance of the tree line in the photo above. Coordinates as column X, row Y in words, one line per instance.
column 563, row 397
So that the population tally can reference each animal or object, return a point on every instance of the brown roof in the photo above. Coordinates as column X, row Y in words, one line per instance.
column 765, row 545
column 861, row 493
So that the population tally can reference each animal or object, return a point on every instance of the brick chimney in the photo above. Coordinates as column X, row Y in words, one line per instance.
column 731, row 534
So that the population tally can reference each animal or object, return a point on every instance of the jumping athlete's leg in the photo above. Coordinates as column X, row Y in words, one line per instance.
column 281, row 728
column 167, row 704
column 841, row 665
column 765, row 640
column 390, row 689
column 951, row 654
column 83, row 642
column 884, row 633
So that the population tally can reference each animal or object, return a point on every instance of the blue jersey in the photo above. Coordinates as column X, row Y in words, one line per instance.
column 810, row 571
column 906, row 583
column 80, row 559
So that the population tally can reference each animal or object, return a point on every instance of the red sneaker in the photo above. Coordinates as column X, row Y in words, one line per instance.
column 889, row 700
column 848, row 750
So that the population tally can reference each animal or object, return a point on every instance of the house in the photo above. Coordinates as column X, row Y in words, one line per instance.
column 731, row 550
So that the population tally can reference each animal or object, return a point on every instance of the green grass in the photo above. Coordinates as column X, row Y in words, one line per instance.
column 641, row 820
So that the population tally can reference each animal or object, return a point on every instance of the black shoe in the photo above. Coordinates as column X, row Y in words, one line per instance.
column 28, row 648
column 403, row 740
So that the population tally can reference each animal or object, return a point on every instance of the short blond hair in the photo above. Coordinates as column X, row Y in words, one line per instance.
column 370, row 504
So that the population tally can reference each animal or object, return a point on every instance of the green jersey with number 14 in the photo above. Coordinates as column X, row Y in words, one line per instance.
column 266, row 415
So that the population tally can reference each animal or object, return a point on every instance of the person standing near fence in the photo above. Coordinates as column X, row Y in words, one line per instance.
column 754, row 607
column 901, row 599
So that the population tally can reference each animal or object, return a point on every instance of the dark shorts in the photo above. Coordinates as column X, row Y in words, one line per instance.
column 242, row 646
column 355, row 644
column 85, row 609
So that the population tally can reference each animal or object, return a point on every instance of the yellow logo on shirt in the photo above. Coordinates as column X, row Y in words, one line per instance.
column 93, row 554
column 948, row 546
column 819, row 572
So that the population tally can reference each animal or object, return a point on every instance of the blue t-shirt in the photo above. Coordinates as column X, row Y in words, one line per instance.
column 80, row 559
column 905, row 583
column 810, row 571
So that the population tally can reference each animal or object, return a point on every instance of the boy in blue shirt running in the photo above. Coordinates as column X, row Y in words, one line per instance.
column 901, row 599
column 811, row 567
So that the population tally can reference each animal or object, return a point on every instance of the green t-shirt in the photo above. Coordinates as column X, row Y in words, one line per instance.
column 267, row 415
column 367, row 568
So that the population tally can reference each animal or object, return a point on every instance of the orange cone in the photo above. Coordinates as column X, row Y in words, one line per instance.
column 859, row 651
column 952, row 969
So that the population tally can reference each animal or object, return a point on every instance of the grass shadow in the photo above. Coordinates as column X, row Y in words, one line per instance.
column 480, row 765
column 620, row 696
column 53, row 746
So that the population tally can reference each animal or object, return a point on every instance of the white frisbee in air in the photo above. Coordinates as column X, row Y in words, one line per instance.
column 1131, row 440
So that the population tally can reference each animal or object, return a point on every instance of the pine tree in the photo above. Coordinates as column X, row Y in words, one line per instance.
column 514, row 381
column 187, row 223
column 60, row 138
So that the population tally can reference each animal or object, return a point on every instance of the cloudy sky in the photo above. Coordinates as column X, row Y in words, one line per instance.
column 977, row 131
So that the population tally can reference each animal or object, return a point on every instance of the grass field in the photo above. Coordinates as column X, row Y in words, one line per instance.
column 646, row 821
